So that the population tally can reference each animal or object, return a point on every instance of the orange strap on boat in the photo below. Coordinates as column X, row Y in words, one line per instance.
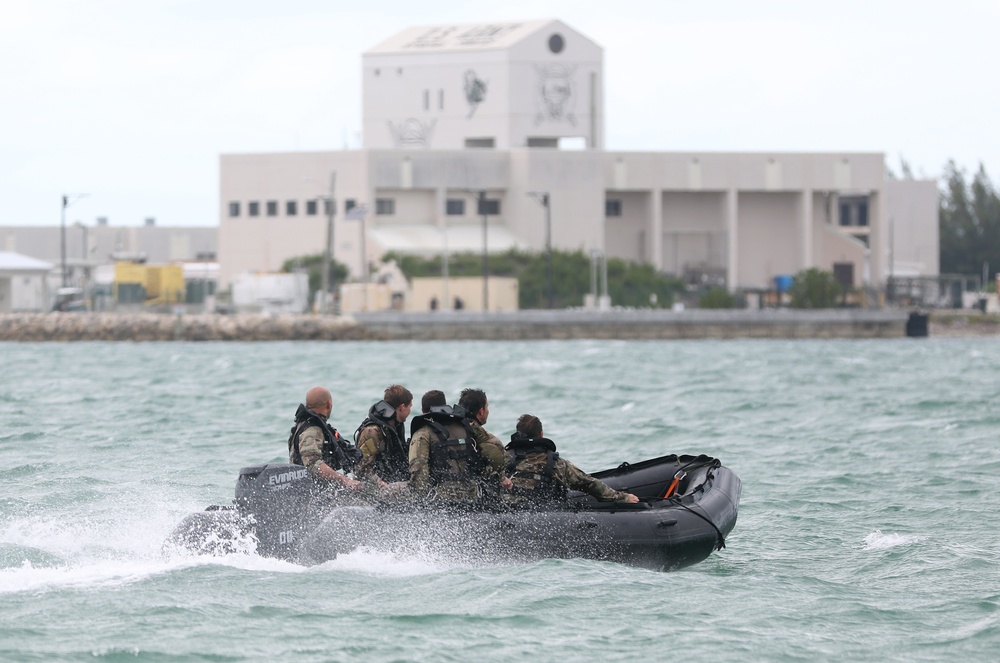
column 673, row 484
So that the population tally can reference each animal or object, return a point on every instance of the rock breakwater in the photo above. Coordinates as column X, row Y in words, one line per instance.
column 520, row 325
column 156, row 327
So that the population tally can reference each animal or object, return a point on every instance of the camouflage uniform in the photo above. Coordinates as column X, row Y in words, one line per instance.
column 310, row 448
column 464, row 491
column 375, row 457
column 529, row 473
column 484, row 437
column 307, row 444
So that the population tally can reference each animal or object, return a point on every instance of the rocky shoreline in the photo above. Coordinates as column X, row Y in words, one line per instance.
column 33, row 327
column 522, row 325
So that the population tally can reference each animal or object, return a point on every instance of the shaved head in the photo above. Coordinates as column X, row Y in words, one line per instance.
column 318, row 399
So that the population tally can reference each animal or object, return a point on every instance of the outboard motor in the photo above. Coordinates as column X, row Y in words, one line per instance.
column 274, row 499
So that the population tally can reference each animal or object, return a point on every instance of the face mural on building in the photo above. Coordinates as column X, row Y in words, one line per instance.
column 556, row 93
column 412, row 132
column 475, row 91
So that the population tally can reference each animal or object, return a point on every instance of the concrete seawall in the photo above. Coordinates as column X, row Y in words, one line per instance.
column 522, row 325
column 639, row 324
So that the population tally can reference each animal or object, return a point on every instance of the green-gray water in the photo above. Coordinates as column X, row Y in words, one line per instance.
column 869, row 527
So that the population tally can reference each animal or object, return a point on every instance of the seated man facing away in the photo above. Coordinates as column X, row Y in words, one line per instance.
column 449, row 463
column 381, row 437
column 541, row 477
column 317, row 445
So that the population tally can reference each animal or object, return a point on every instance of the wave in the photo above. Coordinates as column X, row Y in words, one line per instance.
column 877, row 540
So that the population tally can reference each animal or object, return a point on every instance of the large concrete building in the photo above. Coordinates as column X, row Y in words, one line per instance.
column 465, row 127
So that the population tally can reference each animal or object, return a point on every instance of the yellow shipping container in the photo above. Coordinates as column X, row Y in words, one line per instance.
column 164, row 284
column 131, row 273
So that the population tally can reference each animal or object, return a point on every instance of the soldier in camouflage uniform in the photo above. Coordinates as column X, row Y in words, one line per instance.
column 541, row 477
column 453, row 461
column 477, row 408
column 315, row 444
column 381, row 437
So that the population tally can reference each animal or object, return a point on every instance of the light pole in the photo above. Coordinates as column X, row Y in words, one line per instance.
column 481, row 197
column 84, row 266
column 67, row 200
column 359, row 213
column 330, row 203
column 543, row 198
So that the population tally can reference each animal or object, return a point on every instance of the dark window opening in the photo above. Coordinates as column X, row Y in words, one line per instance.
column 234, row 209
column 272, row 208
column 613, row 207
column 854, row 211
column 385, row 206
column 312, row 207
column 291, row 208
column 454, row 207
column 488, row 207
column 480, row 142
column 253, row 208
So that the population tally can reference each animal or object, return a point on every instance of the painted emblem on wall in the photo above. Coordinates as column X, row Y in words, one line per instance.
column 412, row 132
column 475, row 91
column 556, row 93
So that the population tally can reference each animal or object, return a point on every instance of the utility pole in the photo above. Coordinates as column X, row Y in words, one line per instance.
column 67, row 200
column 486, row 255
column 327, row 282
column 543, row 198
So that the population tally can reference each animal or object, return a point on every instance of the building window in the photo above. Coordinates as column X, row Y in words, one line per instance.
column 311, row 207
column 272, row 208
column 480, row 142
column 488, row 206
column 327, row 206
column 291, row 208
column 454, row 207
column 349, row 204
column 234, row 209
column 854, row 211
column 385, row 206
column 613, row 207
column 253, row 208
column 538, row 141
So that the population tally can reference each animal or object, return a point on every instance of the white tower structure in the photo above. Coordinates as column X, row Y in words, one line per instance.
column 491, row 85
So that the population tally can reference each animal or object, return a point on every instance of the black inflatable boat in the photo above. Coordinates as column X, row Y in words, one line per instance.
column 688, row 506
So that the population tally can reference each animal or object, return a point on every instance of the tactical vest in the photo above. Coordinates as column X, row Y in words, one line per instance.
column 454, row 454
column 533, row 482
column 337, row 453
column 393, row 464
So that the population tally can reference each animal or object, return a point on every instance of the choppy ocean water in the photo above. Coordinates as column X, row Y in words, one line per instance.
column 869, row 527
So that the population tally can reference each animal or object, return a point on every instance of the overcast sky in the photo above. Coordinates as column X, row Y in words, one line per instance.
column 132, row 101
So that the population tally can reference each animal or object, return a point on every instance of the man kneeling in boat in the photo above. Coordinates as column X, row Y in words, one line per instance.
column 541, row 477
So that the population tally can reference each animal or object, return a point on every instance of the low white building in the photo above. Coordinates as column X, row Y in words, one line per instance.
column 462, row 127
column 23, row 283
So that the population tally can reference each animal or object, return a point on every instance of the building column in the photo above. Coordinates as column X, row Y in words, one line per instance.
column 656, row 229
column 732, row 240
column 806, row 229
column 878, row 239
